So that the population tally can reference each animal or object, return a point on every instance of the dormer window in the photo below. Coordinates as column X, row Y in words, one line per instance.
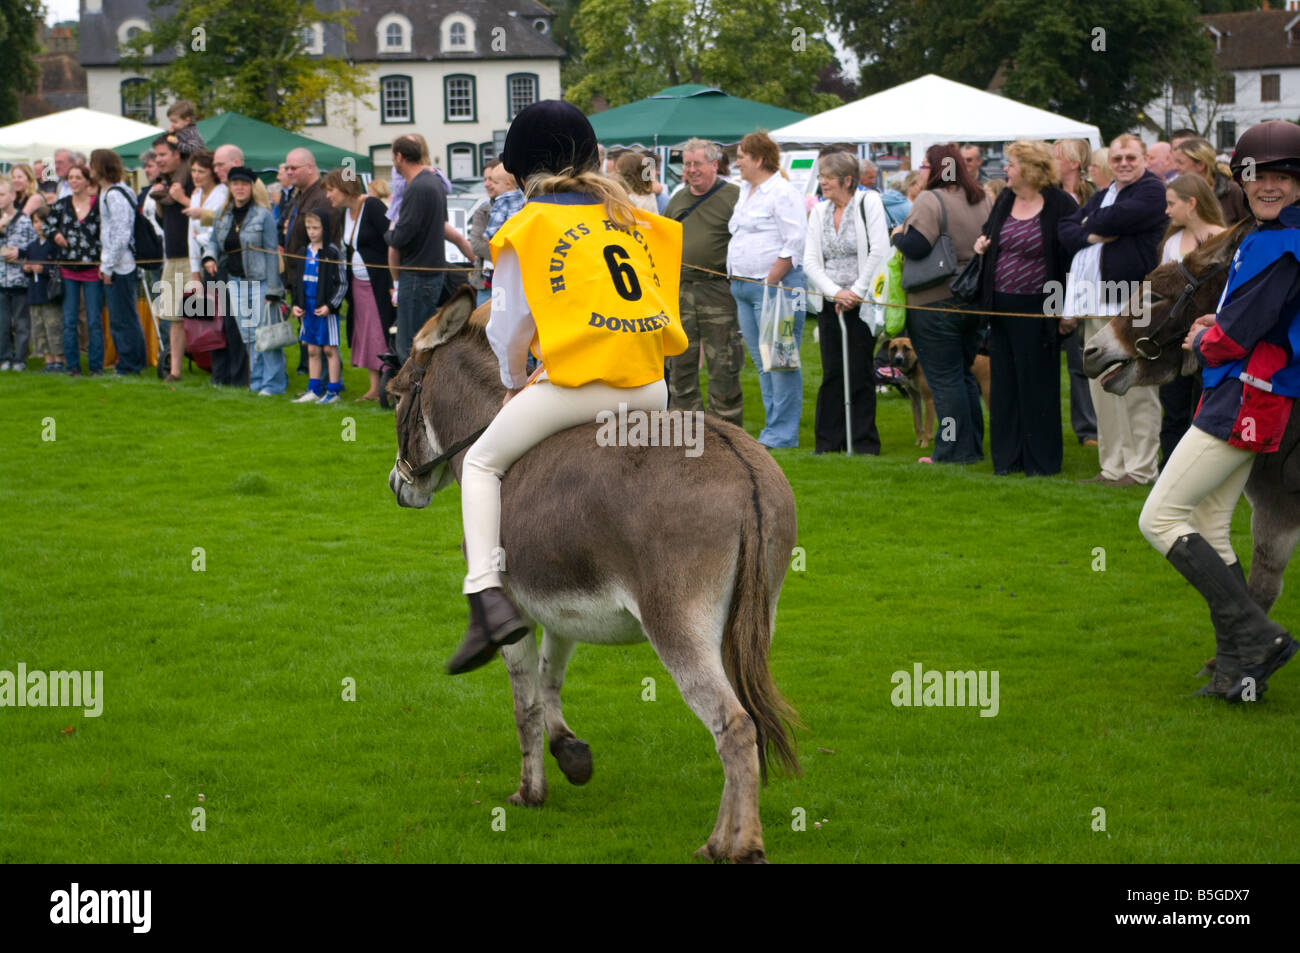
column 457, row 34
column 1216, row 37
column 129, row 30
column 313, row 39
column 393, row 34
column 1293, row 30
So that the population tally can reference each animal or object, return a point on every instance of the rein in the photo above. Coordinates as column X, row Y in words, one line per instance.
column 409, row 474
column 1150, row 343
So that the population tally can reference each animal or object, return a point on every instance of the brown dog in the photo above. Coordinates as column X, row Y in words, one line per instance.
column 904, row 358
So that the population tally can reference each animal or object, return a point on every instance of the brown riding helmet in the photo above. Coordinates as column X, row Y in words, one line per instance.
column 1273, row 146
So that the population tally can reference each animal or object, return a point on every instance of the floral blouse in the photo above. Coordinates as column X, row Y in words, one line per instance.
column 82, row 235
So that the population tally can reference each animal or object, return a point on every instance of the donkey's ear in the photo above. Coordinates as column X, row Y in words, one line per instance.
column 447, row 323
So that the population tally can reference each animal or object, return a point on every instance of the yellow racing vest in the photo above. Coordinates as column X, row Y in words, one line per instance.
column 604, row 296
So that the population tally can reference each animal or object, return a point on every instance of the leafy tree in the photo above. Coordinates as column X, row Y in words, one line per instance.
column 246, row 57
column 1097, row 60
column 1227, row 6
column 768, row 50
column 20, row 23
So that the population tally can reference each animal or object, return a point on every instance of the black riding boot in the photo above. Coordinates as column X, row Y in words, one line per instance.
column 1250, row 645
column 493, row 621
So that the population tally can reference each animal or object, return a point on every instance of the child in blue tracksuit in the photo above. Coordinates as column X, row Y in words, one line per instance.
column 321, row 288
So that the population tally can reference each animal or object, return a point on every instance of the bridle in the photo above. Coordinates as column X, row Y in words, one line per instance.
column 1157, row 346
column 408, row 473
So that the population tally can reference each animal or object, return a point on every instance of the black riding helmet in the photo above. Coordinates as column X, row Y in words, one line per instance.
column 549, row 136
column 1272, row 146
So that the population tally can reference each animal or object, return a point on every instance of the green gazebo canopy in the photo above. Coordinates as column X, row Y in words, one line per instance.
column 673, row 115
column 264, row 145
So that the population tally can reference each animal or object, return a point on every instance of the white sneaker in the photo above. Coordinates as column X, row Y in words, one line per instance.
column 307, row 397
column 266, row 393
column 5, row 365
column 330, row 398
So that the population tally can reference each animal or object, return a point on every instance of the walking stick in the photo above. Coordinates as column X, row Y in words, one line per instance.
column 844, row 353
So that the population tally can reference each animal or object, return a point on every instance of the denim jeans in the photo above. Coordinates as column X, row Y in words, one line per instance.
column 267, row 370
column 482, row 297
column 946, row 345
column 417, row 302
column 124, row 324
column 782, row 391
column 93, row 291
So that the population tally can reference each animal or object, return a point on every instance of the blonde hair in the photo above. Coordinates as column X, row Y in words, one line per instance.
column 32, row 185
column 618, row 206
column 1194, row 188
column 1124, row 137
column 1037, row 165
column 1101, row 159
column 1198, row 150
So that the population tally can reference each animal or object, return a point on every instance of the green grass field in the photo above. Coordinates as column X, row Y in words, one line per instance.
column 228, row 683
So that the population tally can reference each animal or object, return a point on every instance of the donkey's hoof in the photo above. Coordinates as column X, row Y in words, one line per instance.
column 574, row 757
column 752, row 856
column 710, row 852
column 525, row 798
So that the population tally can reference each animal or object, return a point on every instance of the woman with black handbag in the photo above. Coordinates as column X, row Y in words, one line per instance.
column 944, row 222
column 1023, row 259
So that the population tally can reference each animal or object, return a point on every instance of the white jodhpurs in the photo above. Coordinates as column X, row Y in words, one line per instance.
column 532, row 415
column 1196, row 493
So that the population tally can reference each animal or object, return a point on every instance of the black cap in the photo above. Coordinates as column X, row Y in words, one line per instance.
column 550, row 136
column 241, row 173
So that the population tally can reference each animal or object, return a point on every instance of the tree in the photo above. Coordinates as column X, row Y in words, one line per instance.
column 1097, row 60
column 771, row 51
column 20, row 31
column 246, row 57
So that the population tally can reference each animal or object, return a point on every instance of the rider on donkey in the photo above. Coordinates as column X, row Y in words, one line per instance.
column 590, row 284
column 1250, row 354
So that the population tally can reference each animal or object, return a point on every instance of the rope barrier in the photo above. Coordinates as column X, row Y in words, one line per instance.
column 469, row 267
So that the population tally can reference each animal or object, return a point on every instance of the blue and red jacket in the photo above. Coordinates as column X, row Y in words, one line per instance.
column 1251, row 356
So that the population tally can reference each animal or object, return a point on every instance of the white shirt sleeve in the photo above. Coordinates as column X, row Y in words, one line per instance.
column 814, row 265
column 511, row 328
column 791, row 222
column 878, row 247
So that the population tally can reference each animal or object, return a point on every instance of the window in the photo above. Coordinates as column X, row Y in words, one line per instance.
column 1270, row 88
column 457, row 33
column 137, row 100
column 1227, row 135
column 460, row 160
column 486, row 150
column 393, row 34
column 521, row 91
column 395, row 99
column 1184, row 95
column 317, row 115
column 128, row 29
column 312, row 38
column 1225, row 92
column 459, row 93
column 541, row 26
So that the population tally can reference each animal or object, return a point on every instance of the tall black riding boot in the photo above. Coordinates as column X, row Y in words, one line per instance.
column 1250, row 645
column 493, row 621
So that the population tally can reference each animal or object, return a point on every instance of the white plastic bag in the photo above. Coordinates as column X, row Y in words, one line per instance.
column 776, row 341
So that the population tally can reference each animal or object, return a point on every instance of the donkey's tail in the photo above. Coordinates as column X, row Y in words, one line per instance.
column 746, row 639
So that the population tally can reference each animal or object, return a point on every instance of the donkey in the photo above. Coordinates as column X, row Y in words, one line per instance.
column 613, row 545
column 1132, row 353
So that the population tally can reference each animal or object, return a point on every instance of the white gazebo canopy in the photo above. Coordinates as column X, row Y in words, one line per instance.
column 81, row 130
column 933, row 109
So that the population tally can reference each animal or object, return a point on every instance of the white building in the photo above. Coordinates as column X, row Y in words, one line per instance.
column 454, row 71
column 1257, row 54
